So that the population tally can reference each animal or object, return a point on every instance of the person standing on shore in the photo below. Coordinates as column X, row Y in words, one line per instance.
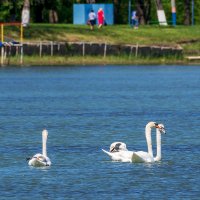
column 92, row 19
column 135, row 20
column 100, row 17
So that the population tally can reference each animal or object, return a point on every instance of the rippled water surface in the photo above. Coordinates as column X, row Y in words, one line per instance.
column 84, row 110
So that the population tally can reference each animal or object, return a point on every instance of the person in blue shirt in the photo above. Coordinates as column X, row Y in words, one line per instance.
column 134, row 20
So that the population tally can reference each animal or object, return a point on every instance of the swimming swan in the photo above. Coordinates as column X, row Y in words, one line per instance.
column 41, row 160
column 119, row 152
column 141, row 156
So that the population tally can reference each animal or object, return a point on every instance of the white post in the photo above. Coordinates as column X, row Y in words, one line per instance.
column 51, row 48
column 105, row 50
column 40, row 49
column 83, row 48
column 136, row 51
column 131, row 51
column 2, row 54
column 22, row 52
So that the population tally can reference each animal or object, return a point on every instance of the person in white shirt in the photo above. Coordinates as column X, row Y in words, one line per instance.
column 92, row 19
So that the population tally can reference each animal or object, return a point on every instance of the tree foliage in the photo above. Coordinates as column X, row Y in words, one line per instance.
column 41, row 10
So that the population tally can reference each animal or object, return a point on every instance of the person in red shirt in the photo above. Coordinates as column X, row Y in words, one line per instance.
column 100, row 15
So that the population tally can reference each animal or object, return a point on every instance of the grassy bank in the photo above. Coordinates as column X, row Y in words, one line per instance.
column 90, row 60
column 186, row 36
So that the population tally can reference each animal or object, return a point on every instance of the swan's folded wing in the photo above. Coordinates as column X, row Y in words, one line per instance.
column 136, row 158
column 141, row 156
column 122, row 156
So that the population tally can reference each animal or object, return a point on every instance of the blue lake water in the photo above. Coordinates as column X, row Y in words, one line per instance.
column 84, row 110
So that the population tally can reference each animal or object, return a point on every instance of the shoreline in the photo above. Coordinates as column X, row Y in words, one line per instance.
column 67, row 44
column 95, row 60
column 82, row 53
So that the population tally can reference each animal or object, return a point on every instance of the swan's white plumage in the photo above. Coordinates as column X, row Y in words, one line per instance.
column 141, row 156
column 122, row 154
column 119, row 152
column 40, row 160
column 118, row 146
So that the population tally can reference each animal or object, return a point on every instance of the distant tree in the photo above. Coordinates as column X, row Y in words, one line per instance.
column 13, row 11
column 52, row 8
column 196, row 12
column 26, row 4
column 187, row 16
column 143, row 8
column 61, row 11
column 120, row 11
column 45, row 10
column 26, row 13
column 90, row 1
column 159, row 4
column 37, row 8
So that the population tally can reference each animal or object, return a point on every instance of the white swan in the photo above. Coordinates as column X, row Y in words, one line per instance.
column 141, row 156
column 118, row 146
column 41, row 160
column 119, row 152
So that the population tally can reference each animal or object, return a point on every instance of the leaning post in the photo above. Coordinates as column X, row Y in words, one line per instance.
column 2, row 48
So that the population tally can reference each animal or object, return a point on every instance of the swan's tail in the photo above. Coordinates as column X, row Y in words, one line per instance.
column 108, row 153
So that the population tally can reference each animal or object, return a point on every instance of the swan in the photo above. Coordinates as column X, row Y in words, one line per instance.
column 119, row 152
column 118, row 146
column 41, row 160
column 141, row 156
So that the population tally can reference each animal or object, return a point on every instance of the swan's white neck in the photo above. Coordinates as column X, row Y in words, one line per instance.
column 44, row 142
column 148, row 139
column 158, row 140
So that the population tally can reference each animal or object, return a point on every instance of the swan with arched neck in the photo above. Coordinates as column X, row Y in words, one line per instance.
column 119, row 152
column 41, row 160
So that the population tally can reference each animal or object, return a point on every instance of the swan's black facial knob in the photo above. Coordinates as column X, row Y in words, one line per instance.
column 27, row 159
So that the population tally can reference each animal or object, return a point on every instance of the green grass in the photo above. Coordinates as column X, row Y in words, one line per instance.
column 120, row 34
column 186, row 36
column 90, row 60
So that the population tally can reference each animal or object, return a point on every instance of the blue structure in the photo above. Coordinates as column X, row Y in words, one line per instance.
column 173, row 5
column 81, row 11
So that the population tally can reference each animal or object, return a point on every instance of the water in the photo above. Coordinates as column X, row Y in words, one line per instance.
column 85, row 109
